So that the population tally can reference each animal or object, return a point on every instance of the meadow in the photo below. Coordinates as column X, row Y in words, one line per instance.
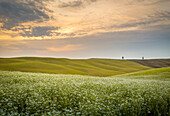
column 134, row 94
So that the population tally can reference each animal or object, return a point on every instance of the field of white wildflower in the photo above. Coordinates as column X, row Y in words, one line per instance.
column 50, row 94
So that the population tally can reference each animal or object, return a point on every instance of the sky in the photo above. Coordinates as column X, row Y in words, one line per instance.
column 85, row 28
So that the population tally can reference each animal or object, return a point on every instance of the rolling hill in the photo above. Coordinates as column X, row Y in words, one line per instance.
column 94, row 67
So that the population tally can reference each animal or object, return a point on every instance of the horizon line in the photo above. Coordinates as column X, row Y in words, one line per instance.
column 83, row 58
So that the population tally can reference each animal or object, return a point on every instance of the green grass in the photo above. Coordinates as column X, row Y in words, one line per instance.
column 94, row 67
column 50, row 94
column 158, row 74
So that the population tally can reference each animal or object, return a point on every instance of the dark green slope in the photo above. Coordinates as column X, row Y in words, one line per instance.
column 154, row 63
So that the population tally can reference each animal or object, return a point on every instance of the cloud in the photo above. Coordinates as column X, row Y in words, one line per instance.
column 39, row 31
column 58, row 19
column 148, row 21
column 65, row 48
column 71, row 4
column 146, row 2
column 75, row 3
column 14, row 12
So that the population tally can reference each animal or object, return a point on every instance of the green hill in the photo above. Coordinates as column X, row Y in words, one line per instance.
column 158, row 73
column 94, row 67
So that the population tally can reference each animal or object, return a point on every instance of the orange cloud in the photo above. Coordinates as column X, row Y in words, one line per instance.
column 66, row 48
column 78, row 18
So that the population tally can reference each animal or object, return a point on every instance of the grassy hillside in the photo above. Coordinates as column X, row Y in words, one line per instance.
column 154, row 63
column 51, row 94
column 95, row 67
column 158, row 73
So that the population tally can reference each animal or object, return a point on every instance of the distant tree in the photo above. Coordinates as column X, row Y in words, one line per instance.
column 143, row 58
column 122, row 57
